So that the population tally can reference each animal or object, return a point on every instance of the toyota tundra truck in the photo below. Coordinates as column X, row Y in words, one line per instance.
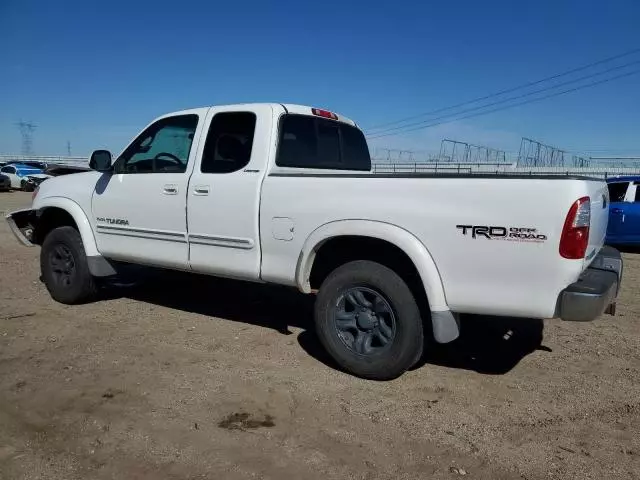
column 285, row 194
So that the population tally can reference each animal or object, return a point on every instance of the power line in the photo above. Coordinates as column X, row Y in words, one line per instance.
column 592, row 84
column 505, row 100
column 508, row 90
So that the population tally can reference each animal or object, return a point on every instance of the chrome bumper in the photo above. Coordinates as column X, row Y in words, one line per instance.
column 596, row 290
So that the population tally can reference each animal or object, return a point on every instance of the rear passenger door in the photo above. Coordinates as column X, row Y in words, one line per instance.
column 223, row 197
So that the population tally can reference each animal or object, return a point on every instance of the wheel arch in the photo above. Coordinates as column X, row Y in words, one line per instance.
column 396, row 236
column 60, row 206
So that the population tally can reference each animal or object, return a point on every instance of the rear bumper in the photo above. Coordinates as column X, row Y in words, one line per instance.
column 596, row 290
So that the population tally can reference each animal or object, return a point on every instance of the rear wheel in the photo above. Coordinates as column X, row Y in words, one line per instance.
column 64, row 267
column 368, row 320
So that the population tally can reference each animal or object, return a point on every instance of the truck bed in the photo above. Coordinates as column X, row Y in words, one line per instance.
column 494, row 275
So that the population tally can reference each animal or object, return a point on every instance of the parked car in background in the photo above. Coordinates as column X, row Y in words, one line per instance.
column 624, row 211
column 5, row 183
column 23, row 177
column 28, row 163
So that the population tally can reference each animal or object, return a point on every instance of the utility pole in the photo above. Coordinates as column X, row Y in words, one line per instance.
column 68, row 148
column 26, row 130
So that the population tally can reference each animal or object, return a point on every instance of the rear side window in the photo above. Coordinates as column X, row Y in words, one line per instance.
column 617, row 191
column 229, row 142
column 309, row 142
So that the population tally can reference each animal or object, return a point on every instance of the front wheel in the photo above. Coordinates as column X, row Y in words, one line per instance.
column 368, row 321
column 64, row 267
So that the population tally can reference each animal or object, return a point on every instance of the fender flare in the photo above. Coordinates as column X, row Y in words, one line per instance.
column 401, row 238
column 445, row 323
column 98, row 265
column 78, row 215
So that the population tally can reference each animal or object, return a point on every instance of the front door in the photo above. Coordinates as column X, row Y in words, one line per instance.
column 632, row 219
column 139, row 210
column 224, row 193
column 617, row 207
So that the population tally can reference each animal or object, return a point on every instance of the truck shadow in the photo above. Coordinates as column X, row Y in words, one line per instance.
column 488, row 345
column 632, row 249
column 267, row 306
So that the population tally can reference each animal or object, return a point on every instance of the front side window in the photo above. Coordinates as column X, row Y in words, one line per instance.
column 164, row 147
column 310, row 142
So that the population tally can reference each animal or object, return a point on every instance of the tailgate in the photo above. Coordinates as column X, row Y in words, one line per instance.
column 599, row 195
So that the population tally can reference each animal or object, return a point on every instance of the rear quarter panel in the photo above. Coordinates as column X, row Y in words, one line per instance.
column 492, row 276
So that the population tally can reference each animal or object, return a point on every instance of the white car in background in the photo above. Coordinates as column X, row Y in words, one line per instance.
column 23, row 177
column 5, row 183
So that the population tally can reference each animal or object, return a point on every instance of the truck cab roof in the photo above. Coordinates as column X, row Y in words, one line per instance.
column 288, row 107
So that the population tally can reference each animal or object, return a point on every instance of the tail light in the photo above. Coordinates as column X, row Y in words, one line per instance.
column 575, row 233
column 324, row 113
column 35, row 192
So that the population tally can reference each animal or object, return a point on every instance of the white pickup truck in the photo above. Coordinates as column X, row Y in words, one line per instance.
column 284, row 194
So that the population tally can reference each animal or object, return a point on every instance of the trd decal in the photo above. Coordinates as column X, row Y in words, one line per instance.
column 513, row 234
column 113, row 221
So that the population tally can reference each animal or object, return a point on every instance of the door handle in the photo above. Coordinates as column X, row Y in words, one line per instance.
column 170, row 189
column 201, row 190
column 616, row 210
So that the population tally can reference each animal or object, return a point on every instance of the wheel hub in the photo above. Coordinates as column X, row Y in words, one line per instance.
column 62, row 264
column 366, row 319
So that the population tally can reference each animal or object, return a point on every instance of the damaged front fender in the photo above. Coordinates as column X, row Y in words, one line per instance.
column 22, row 223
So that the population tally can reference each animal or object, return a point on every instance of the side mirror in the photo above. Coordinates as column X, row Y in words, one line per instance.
column 100, row 161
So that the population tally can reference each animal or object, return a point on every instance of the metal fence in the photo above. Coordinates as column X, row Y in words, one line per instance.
column 499, row 169
column 463, row 168
column 48, row 159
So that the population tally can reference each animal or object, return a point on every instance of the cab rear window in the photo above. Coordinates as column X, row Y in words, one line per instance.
column 310, row 142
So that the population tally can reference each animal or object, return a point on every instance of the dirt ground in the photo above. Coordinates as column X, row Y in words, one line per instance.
column 192, row 378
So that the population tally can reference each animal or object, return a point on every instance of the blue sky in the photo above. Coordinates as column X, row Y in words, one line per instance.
column 94, row 73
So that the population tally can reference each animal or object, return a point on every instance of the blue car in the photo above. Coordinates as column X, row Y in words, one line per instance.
column 624, row 211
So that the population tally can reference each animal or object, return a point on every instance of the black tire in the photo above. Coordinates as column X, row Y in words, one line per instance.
column 26, row 186
column 388, row 361
column 62, row 249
